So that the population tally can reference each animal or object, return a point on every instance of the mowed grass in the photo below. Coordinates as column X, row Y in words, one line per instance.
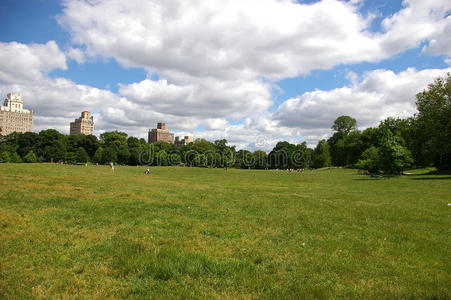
column 84, row 232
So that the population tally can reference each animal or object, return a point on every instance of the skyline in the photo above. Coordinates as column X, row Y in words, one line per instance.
column 253, row 72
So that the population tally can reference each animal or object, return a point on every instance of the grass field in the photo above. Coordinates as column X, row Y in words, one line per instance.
column 84, row 232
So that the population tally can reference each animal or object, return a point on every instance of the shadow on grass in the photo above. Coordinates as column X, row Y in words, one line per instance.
column 431, row 178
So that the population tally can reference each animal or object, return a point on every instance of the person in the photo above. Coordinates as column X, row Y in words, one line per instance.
column 112, row 166
column 147, row 171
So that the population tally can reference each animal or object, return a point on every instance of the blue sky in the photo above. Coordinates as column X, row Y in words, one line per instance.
column 253, row 72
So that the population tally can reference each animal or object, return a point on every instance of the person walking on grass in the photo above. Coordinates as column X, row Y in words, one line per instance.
column 112, row 167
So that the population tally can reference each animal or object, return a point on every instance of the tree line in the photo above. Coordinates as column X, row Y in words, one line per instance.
column 421, row 140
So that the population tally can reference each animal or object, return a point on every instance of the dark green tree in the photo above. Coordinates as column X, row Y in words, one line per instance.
column 15, row 158
column 30, row 157
column 321, row 155
column 433, row 121
column 369, row 161
column 81, row 155
column 344, row 125
column 393, row 157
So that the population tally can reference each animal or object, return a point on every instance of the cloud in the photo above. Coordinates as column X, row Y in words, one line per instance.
column 380, row 94
column 222, row 39
column 203, row 98
column 246, row 39
column 419, row 21
column 76, row 54
column 19, row 62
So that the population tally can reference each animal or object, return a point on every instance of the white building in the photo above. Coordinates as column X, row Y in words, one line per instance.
column 13, row 117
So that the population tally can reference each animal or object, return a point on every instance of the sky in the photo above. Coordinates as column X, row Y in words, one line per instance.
column 251, row 71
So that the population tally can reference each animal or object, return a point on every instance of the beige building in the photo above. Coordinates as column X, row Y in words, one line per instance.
column 160, row 134
column 185, row 141
column 83, row 125
column 13, row 117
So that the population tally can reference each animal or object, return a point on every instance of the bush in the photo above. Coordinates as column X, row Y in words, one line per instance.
column 30, row 157
column 5, row 157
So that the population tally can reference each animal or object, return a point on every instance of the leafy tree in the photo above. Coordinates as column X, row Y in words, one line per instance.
column 244, row 159
column 71, row 157
column 108, row 155
column 321, row 155
column 280, row 155
column 369, row 137
column 5, row 157
column 261, row 160
column 174, row 159
column 30, row 157
column 200, row 160
column 15, row 158
column 89, row 143
column 369, row 161
column 301, row 157
column 161, row 158
column 394, row 158
column 434, row 121
column 29, row 141
column 123, row 154
column 98, row 156
column 114, row 139
column 344, row 125
column 81, row 155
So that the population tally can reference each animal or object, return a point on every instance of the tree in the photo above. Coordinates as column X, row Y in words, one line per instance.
column 98, row 156
column 434, row 121
column 321, row 155
column 301, row 157
column 89, row 143
column 123, row 154
column 161, row 158
column 261, row 160
column 81, row 155
column 344, row 125
column 369, row 161
column 108, row 155
column 394, row 158
column 29, row 141
column 30, row 157
column 5, row 157
column 15, row 158
column 174, row 159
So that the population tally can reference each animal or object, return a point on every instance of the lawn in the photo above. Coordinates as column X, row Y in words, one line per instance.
column 85, row 232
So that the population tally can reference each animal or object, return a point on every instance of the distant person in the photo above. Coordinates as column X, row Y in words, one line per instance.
column 147, row 171
column 112, row 166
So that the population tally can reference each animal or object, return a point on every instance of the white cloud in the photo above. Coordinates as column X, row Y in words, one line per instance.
column 417, row 22
column 246, row 39
column 222, row 39
column 76, row 54
column 380, row 94
column 204, row 97
column 20, row 62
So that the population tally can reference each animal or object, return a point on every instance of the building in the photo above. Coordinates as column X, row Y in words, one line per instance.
column 13, row 117
column 185, row 141
column 83, row 125
column 160, row 134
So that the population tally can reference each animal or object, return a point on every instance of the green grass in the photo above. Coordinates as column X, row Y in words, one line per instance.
column 186, row 233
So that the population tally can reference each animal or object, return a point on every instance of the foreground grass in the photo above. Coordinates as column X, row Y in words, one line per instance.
column 84, row 232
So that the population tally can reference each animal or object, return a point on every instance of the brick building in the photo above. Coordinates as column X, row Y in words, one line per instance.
column 160, row 134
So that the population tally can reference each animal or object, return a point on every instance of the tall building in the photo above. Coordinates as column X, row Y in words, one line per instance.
column 83, row 125
column 160, row 134
column 13, row 117
column 185, row 141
